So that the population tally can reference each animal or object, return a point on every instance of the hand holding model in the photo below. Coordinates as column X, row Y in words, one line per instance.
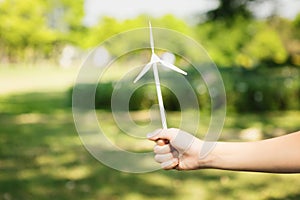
column 176, row 149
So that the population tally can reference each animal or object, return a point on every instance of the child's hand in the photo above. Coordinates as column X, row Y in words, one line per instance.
column 176, row 149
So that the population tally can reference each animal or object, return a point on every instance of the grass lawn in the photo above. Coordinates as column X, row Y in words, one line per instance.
column 42, row 157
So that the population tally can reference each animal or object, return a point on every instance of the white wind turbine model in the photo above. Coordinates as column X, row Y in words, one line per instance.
column 153, row 63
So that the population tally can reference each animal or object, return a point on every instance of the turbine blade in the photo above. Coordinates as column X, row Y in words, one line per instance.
column 143, row 72
column 151, row 38
column 173, row 67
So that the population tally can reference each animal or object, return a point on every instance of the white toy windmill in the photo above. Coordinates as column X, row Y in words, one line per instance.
column 153, row 63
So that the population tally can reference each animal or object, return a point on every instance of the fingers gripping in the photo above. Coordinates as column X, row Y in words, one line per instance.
column 171, row 144
column 158, row 149
column 160, row 158
column 170, row 164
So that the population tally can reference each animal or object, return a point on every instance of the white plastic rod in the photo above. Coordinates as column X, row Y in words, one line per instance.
column 151, row 38
column 159, row 97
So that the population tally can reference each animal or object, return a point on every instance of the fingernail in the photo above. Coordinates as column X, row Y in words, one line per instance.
column 161, row 142
column 150, row 135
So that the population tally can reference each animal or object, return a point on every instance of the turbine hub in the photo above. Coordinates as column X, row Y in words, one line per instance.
column 155, row 58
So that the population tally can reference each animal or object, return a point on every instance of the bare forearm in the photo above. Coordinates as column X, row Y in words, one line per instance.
column 281, row 154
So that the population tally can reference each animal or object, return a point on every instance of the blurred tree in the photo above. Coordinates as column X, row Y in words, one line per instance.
column 109, row 26
column 245, row 43
column 65, row 16
column 23, row 27
column 174, row 23
column 222, row 43
column 289, row 33
column 295, row 46
column 31, row 29
column 105, row 28
column 266, row 46
column 229, row 9
column 297, row 22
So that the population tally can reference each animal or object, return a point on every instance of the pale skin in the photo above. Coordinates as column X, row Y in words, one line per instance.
column 176, row 149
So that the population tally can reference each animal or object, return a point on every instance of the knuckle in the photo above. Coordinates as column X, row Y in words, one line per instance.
column 156, row 149
column 157, row 158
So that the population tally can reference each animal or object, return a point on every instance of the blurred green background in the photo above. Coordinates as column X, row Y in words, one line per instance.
column 42, row 44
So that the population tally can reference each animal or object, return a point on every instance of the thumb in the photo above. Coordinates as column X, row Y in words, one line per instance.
column 179, row 139
column 164, row 134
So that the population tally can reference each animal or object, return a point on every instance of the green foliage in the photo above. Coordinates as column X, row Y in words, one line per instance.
column 171, row 22
column 255, row 90
column 262, row 89
column 229, row 9
column 238, row 42
column 72, row 12
column 266, row 46
column 289, row 33
column 297, row 21
column 23, row 25
column 39, row 29
column 142, row 98
column 32, row 29
column 67, row 17
column 244, row 43
column 224, row 42
column 109, row 26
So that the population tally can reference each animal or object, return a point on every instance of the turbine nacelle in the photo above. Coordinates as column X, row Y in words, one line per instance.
column 154, row 58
